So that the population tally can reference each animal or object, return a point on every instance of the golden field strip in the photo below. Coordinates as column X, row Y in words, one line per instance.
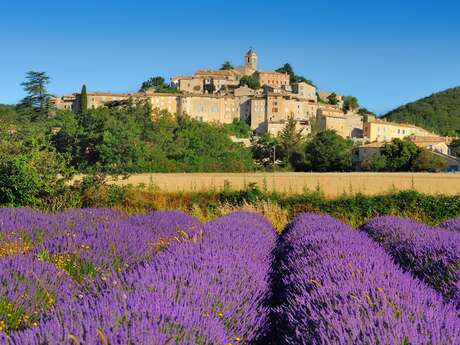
column 330, row 184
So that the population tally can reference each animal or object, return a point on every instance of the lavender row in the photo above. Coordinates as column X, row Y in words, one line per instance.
column 430, row 254
column 208, row 289
column 81, row 246
column 337, row 286
column 453, row 224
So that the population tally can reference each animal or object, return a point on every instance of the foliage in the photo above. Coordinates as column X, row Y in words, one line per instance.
column 350, row 103
column 328, row 151
column 439, row 112
column 291, row 143
column 400, row 155
column 427, row 161
column 264, row 150
column 157, row 84
column 403, row 155
column 83, row 98
column 294, row 78
column 154, row 83
column 374, row 162
column 37, row 97
column 332, row 99
column 239, row 128
column 227, row 65
column 30, row 172
column 250, row 81
column 127, row 140
column 364, row 111
column 455, row 148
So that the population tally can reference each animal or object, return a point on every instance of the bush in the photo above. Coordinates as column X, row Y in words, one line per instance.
column 32, row 174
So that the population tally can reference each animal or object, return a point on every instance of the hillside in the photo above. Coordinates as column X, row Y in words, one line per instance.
column 439, row 112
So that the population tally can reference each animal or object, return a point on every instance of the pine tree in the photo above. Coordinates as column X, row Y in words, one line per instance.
column 290, row 139
column 37, row 97
column 83, row 98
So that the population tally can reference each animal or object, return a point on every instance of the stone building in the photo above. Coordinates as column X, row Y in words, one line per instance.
column 162, row 101
column 347, row 125
column 210, row 108
column 95, row 100
column 379, row 130
column 216, row 96
column 305, row 90
column 188, row 84
column 272, row 78
column 67, row 102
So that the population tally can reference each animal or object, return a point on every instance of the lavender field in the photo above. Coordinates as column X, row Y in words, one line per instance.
column 98, row 276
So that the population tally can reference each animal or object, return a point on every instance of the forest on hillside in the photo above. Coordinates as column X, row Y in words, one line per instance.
column 439, row 112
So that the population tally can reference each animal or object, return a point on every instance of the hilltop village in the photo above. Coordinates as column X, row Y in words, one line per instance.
column 266, row 100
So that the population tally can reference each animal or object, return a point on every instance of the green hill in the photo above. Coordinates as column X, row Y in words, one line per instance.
column 439, row 112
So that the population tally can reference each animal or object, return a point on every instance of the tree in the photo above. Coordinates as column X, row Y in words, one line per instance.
column 31, row 173
column 264, row 149
column 455, row 148
column 290, row 141
column 364, row 111
column 428, row 161
column 350, row 103
column 439, row 112
column 293, row 78
column 157, row 83
column 400, row 155
column 332, row 99
column 374, row 162
column 209, row 88
column 83, row 98
column 37, row 95
column 226, row 66
column 239, row 128
column 328, row 151
column 250, row 81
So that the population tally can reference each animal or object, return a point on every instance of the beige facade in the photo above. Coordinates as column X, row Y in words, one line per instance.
column 272, row 109
column 210, row 108
column 99, row 99
column 432, row 143
column 95, row 100
column 275, row 128
column 164, row 101
column 346, row 125
column 67, row 102
column 188, row 84
column 305, row 90
column 381, row 131
column 272, row 78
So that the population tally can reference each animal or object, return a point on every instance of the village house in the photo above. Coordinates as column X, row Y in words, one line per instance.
column 216, row 96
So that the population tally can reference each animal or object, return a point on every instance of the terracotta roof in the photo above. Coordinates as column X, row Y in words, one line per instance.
column 432, row 139
column 374, row 145
column 397, row 124
column 183, row 77
column 270, row 72
column 108, row 94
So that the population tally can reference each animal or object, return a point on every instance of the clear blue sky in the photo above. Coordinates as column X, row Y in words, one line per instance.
column 384, row 52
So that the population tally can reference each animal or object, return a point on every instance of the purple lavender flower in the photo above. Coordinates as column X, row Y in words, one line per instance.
column 430, row 254
column 453, row 224
column 337, row 286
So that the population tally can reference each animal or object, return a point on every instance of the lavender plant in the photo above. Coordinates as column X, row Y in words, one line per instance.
column 430, row 254
column 337, row 286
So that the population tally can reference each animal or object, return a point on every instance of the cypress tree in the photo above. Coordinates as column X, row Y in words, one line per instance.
column 83, row 98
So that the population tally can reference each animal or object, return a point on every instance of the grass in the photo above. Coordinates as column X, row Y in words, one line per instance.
column 279, row 208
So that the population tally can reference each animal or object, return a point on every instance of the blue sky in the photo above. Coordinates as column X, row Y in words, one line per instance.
column 385, row 53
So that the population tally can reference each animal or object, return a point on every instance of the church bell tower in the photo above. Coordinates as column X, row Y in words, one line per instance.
column 250, row 60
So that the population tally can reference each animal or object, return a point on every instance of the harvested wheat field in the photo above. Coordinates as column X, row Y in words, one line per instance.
column 330, row 184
